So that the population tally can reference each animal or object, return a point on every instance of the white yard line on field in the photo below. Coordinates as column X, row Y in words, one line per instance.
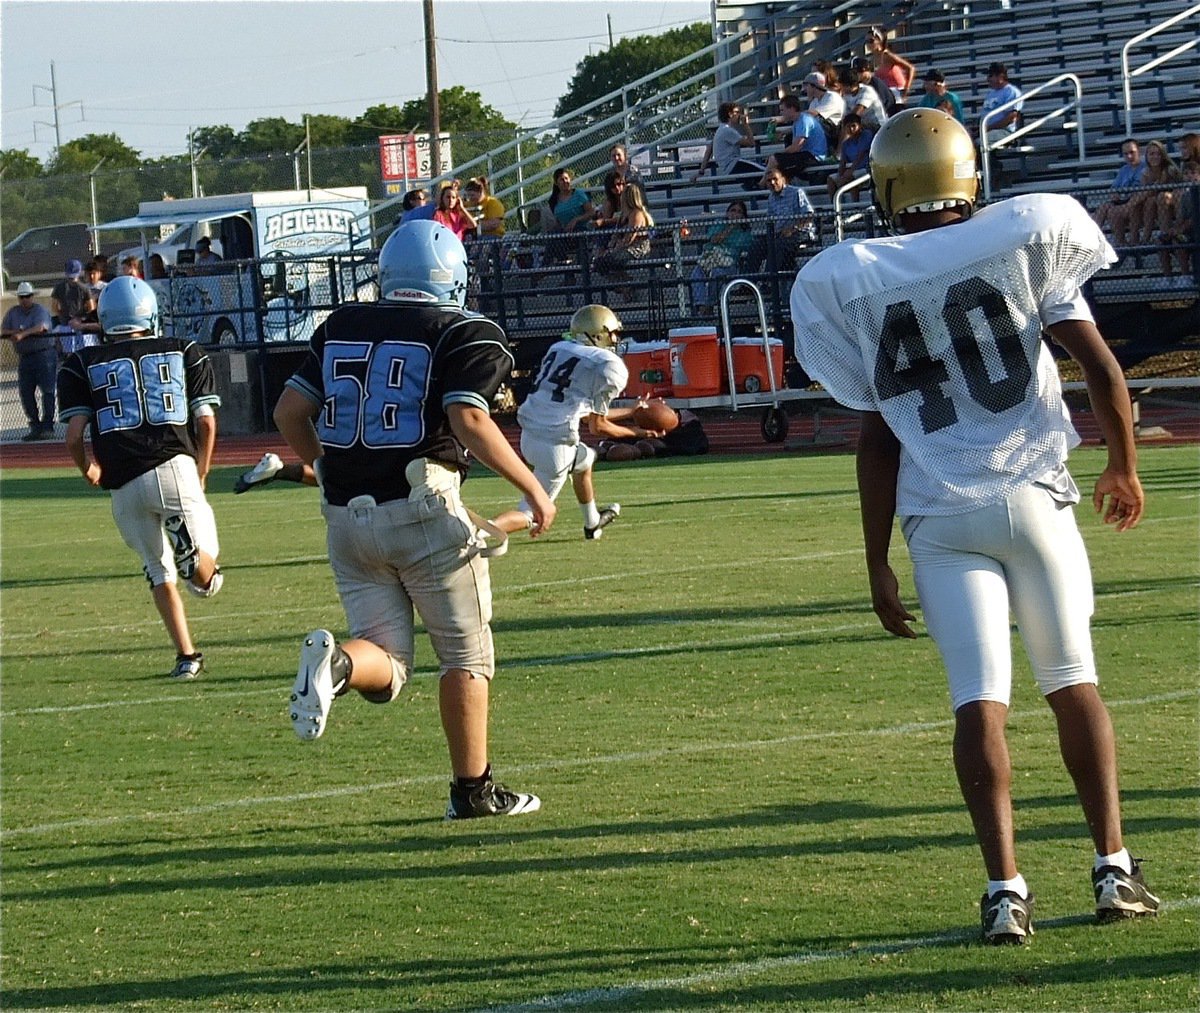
column 564, row 763
column 752, row 968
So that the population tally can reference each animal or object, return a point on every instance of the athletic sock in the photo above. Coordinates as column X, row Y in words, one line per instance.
column 341, row 667
column 591, row 516
column 1015, row 885
column 471, row 783
column 1121, row 859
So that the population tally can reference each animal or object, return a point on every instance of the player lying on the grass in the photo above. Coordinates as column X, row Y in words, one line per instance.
column 579, row 377
column 935, row 334
column 682, row 434
column 138, row 392
column 384, row 409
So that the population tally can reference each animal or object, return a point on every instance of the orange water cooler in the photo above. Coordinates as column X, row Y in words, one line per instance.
column 750, row 365
column 695, row 361
column 649, row 365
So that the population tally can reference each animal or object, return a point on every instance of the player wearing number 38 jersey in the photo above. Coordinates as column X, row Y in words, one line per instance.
column 935, row 334
column 143, row 397
column 386, row 406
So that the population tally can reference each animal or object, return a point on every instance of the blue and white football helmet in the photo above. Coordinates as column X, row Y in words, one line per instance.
column 128, row 306
column 423, row 262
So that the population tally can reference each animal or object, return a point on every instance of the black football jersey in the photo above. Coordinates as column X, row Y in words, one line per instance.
column 140, row 395
column 383, row 375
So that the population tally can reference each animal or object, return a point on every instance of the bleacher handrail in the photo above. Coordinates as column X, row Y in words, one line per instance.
column 1127, row 75
column 986, row 146
column 839, row 223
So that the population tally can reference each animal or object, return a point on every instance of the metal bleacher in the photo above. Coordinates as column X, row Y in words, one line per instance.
column 763, row 50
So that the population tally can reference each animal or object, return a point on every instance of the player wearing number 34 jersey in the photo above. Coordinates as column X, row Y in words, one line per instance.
column 935, row 334
column 578, row 379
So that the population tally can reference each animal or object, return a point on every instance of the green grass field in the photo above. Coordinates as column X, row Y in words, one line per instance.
column 748, row 797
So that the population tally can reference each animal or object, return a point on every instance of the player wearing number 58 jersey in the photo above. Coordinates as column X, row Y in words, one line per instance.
column 935, row 334
column 578, row 379
column 386, row 406
column 149, row 402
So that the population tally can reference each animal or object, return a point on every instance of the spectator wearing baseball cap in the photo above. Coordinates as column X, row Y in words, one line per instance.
column 70, row 299
column 27, row 325
column 938, row 96
column 864, row 68
column 1000, row 92
column 823, row 101
column 204, row 254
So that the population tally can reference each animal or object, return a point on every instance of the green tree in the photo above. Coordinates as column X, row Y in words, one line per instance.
column 460, row 111
column 598, row 74
column 271, row 134
column 18, row 163
column 376, row 121
column 82, row 154
column 221, row 141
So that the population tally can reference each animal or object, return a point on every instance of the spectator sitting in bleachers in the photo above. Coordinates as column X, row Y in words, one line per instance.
column 1000, row 91
column 733, row 133
column 861, row 100
column 1178, row 226
column 938, row 96
column 1114, row 212
column 1150, row 209
column 853, row 150
column 865, row 69
column 630, row 244
column 618, row 155
column 896, row 71
column 824, row 101
column 807, row 146
column 415, row 205
column 609, row 212
column 726, row 247
column 791, row 214
column 571, row 211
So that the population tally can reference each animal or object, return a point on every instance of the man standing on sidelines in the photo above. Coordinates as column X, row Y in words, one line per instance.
column 384, row 409
column 935, row 334
column 142, row 396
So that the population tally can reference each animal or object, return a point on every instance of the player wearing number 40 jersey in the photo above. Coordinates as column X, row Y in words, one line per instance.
column 385, row 407
column 142, row 396
column 578, row 378
column 935, row 334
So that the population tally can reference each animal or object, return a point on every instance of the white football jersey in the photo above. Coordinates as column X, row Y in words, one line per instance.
column 573, row 381
column 941, row 333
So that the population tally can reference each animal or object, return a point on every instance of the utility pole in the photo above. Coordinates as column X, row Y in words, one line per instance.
column 431, row 85
column 55, row 107
column 610, row 38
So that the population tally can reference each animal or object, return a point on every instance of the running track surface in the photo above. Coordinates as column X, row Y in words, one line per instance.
column 727, row 434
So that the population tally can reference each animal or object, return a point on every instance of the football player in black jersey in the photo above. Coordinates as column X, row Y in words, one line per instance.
column 150, row 404
column 385, row 408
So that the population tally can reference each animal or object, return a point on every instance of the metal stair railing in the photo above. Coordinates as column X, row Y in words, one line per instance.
column 1128, row 75
column 986, row 146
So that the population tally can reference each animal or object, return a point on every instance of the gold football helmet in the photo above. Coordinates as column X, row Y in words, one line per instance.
column 923, row 160
column 595, row 325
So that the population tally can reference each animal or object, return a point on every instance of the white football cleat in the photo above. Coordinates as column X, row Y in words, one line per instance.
column 262, row 473
column 312, row 692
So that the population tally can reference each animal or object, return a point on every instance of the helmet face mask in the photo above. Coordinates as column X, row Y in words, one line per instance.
column 923, row 160
column 127, row 305
column 423, row 262
column 594, row 325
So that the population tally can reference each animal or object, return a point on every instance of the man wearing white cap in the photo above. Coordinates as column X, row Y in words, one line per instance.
column 822, row 100
column 28, row 325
